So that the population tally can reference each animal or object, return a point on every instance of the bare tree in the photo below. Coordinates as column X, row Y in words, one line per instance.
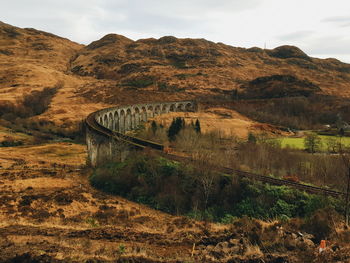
column 312, row 142
column 204, row 163
column 345, row 155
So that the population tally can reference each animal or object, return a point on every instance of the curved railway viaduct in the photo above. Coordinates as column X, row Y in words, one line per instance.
column 106, row 128
column 107, row 140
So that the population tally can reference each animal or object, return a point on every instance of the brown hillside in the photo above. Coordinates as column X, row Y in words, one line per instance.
column 117, row 70
column 51, row 213
column 32, row 60
column 279, row 86
column 197, row 66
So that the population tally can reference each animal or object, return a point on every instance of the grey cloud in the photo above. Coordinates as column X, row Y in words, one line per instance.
column 164, row 16
column 346, row 25
column 341, row 21
column 298, row 35
column 181, row 8
column 330, row 45
column 58, row 17
column 150, row 23
column 336, row 46
column 337, row 19
column 81, row 20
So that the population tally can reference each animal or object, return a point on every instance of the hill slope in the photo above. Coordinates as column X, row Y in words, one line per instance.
column 117, row 70
column 33, row 60
column 198, row 66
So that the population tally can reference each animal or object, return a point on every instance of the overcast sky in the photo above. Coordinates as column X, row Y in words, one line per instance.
column 319, row 27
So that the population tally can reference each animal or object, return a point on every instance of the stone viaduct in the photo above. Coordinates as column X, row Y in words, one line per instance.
column 106, row 129
column 107, row 140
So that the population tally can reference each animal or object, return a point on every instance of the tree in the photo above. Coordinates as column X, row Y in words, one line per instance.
column 204, row 166
column 333, row 144
column 154, row 127
column 235, row 94
column 175, row 127
column 251, row 137
column 312, row 142
column 197, row 126
column 345, row 155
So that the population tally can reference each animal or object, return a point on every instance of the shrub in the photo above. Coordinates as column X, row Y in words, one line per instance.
column 197, row 126
column 228, row 219
column 312, row 142
column 251, row 138
column 175, row 127
column 321, row 223
column 34, row 103
column 10, row 142
column 192, row 190
column 141, row 82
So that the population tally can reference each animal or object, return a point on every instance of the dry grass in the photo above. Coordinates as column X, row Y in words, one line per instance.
column 59, row 208
column 6, row 133
column 227, row 122
column 45, row 155
column 253, row 251
column 45, row 210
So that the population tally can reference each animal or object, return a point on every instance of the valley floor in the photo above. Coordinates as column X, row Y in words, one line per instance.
column 50, row 213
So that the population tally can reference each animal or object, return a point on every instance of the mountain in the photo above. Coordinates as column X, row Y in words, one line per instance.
column 117, row 70
column 197, row 66
column 31, row 60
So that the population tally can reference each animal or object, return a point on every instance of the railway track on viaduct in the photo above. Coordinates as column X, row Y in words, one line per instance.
column 141, row 144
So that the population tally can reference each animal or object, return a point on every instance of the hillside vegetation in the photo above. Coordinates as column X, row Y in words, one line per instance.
column 198, row 66
column 51, row 213
column 116, row 70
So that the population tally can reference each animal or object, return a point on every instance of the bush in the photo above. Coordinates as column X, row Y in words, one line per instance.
column 175, row 127
column 312, row 142
column 295, row 112
column 141, row 82
column 34, row 103
column 321, row 223
column 10, row 142
column 184, row 189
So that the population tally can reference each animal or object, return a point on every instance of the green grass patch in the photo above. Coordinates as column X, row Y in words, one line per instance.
column 298, row 143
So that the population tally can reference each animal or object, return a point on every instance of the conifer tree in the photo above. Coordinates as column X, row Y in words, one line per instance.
column 251, row 138
column 172, row 130
column 197, row 126
column 154, row 127
column 175, row 127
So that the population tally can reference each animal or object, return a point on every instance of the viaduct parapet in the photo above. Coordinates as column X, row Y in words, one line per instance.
column 105, row 129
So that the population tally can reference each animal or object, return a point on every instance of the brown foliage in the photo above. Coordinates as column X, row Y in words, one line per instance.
column 34, row 103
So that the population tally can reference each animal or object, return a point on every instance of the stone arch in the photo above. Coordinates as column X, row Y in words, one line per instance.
column 165, row 108
column 157, row 110
column 105, row 120
column 116, row 121
column 122, row 121
column 189, row 107
column 172, row 108
column 180, row 107
column 110, row 121
column 150, row 112
column 100, row 120
column 128, row 120
column 137, row 117
column 143, row 114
